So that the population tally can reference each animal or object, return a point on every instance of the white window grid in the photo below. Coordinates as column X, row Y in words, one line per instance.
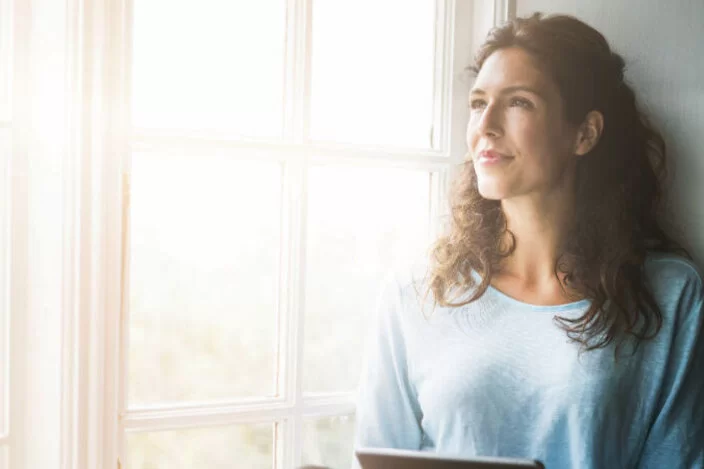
column 296, row 153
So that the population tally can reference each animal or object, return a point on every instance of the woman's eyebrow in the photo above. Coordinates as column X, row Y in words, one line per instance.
column 511, row 89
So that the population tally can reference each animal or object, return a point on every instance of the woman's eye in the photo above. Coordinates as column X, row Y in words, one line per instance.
column 521, row 102
column 477, row 104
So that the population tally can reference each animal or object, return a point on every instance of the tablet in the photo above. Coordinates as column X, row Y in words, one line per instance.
column 376, row 458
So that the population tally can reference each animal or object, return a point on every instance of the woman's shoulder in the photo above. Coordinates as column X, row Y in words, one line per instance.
column 672, row 266
column 406, row 284
column 673, row 277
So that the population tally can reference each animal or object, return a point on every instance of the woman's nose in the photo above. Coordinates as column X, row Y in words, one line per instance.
column 490, row 122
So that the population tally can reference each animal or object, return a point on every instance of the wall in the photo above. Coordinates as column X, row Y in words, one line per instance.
column 663, row 44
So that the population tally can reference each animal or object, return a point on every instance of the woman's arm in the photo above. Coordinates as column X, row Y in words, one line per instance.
column 388, row 414
column 676, row 439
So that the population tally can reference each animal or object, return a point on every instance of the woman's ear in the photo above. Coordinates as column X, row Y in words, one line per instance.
column 589, row 133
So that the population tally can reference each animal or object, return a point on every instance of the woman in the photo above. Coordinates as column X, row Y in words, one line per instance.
column 558, row 322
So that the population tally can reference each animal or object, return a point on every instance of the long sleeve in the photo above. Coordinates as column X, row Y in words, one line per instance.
column 676, row 439
column 388, row 414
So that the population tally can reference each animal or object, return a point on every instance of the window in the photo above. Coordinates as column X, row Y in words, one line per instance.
column 281, row 163
column 191, row 190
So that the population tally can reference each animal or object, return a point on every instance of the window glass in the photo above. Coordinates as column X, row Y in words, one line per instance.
column 245, row 446
column 372, row 74
column 205, row 236
column 210, row 65
column 329, row 441
column 361, row 223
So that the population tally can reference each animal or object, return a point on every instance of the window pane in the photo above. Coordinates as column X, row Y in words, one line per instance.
column 329, row 441
column 374, row 87
column 209, row 65
column 204, row 278
column 5, row 148
column 245, row 446
column 361, row 223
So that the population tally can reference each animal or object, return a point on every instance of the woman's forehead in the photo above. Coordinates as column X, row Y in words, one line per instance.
column 513, row 68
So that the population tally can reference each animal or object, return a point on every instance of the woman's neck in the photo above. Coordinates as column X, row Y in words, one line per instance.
column 540, row 226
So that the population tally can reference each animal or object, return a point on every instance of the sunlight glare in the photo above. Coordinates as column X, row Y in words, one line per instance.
column 213, row 65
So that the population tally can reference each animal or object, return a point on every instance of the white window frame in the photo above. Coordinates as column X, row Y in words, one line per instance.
column 70, row 163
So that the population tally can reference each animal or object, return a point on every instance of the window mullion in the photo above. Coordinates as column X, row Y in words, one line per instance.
column 278, row 151
column 504, row 10
column 300, row 323
column 292, row 311
column 329, row 405
column 442, row 84
column 297, row 71
column 182, row 417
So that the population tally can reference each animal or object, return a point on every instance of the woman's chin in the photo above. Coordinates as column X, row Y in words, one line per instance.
column 492, row 191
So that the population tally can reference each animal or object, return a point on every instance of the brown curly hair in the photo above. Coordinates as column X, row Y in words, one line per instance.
column 618, row 191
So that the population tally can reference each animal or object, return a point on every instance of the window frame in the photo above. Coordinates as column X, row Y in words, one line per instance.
column 95, row 330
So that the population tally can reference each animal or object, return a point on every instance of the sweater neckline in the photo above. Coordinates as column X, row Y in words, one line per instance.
column 509, row 300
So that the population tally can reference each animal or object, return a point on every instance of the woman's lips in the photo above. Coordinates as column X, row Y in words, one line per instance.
column 492, row 157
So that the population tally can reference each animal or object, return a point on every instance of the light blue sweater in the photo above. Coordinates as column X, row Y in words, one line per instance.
column 499, row 378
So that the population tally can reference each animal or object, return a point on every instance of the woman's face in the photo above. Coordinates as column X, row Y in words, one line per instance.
column 518, row 138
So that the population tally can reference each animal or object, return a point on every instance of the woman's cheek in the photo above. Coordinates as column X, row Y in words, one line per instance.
column 471, row 133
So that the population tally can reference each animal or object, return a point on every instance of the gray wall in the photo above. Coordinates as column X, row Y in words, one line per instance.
column 663, row 45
